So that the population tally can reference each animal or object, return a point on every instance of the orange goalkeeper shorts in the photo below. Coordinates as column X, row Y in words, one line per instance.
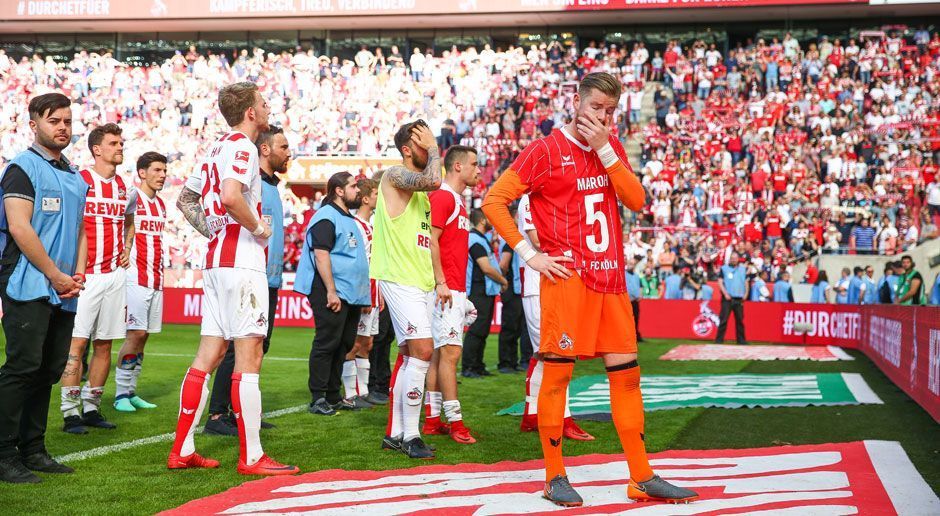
column 580, row 322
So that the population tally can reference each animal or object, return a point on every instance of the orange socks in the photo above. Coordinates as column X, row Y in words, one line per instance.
column 626, row 406
column 551, row 409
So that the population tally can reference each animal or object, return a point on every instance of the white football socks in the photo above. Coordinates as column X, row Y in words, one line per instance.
column 362, row 376
column 416, row 372
column 349, row 378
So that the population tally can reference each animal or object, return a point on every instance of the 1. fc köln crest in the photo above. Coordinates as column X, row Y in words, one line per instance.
column 871, row 477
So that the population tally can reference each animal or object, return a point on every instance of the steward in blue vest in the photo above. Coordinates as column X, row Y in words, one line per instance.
column 273, row 155
column 871, row 291
column 333, row 273
column 733, row 284
column 854, row 293
column 783, row 291
column 43, row 258
column 484, row 282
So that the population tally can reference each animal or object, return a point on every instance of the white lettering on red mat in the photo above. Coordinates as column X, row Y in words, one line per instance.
column 871, row 477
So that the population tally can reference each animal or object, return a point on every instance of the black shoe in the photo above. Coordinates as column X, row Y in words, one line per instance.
column 390, row 443
column 96, row 420
column 416, row 449
column 42, row 461
column 13, row 471
column 521, row 369
column 345, row 404
column 223, row 425
column 484, row 372
column 321, row 408
column 470, row 374
column 507, row 370
column 376, row 398
column 267, row 426
column 73, row 425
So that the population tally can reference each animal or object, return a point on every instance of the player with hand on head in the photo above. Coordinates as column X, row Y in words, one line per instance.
column 222, row 200
column 574, row 178
column 144, row 280
column 401, row 265
column 450, row 233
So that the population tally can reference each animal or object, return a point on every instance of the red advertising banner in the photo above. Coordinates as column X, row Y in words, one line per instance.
column 188, row 9
column 779, row 323
column 904, row 342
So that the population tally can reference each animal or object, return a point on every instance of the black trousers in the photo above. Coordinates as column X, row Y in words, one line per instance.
column 380, row 372
column 474, row 342
column 635, row 304
column 37, row 346
column 221, row 399
column 336, row 335
column 736, row 305
column 512, row 330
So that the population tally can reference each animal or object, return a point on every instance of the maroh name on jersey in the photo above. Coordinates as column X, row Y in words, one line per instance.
column 593, row 183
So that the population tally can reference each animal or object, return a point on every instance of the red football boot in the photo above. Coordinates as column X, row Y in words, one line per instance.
column 573, row 431
column 460, row 433
column 530, row 423
column 193, row 460
column 434, row 426
column 268, row 467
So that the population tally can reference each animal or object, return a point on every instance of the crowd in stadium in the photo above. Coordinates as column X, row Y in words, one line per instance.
column 777, row 150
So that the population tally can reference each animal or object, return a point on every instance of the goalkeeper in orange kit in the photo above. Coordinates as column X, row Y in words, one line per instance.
column 574, row 177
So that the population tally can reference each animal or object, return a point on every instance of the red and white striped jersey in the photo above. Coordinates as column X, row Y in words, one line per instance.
column 366, row 228
column 146, row 267
column 574, row 207
column 233, row 156
column 105, row 208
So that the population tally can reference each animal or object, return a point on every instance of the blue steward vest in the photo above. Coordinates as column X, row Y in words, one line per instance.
column 492, row 288
column 347, row 258
column 58, row 209
column 272, row 210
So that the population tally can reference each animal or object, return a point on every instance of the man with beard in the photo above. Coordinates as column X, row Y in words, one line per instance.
column 401, row 265
column 101, row 308
column 273, row 154
column 43, row 265
column 144, row 280
column 333, row 273
column 574, row 178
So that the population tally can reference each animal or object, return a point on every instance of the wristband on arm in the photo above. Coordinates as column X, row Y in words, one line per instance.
column 607, row 155
column 525, row 250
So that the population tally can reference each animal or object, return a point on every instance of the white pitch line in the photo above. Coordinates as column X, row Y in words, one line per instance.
column 184, row 355
column 112, row 448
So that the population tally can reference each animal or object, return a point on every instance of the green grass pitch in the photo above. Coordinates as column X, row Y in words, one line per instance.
column 136, row 481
